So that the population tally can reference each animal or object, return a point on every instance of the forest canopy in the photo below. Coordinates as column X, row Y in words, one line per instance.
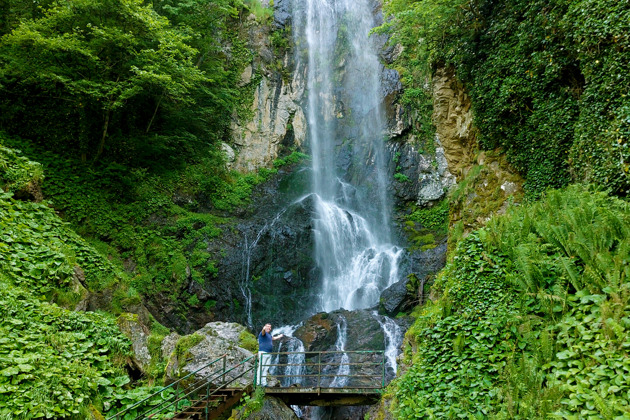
column 127, row 78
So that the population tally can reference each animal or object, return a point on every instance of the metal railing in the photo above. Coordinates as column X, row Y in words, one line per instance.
column 325, row 369
column 184, row 391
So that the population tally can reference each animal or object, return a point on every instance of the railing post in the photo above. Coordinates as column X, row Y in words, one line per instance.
column 207, row 398
column 223, row 377
column 383, row 363
column 256, row 372
column 319, row 370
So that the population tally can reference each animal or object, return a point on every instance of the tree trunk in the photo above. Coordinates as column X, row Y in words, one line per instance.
column 154, row 113
column 105, row 127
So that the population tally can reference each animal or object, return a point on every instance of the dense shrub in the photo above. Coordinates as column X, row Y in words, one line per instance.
column 532, row 320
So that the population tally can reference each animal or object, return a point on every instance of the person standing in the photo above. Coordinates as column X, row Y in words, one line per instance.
column 265, row 346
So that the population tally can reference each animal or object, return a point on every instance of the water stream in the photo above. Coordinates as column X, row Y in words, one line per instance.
column 353, row 246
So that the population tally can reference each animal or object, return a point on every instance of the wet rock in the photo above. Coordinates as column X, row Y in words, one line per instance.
column 353, row 338
column 363, row 331
column 430, row 261
column 272, row 409
column 395, row 298
column 318, row 332
column 282, row 13
column 268, row 266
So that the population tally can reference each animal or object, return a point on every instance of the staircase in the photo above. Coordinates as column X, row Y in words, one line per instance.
column 214, row 406
column 203, row 394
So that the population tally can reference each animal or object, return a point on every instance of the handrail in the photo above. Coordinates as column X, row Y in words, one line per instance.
column 173, row 385
column 317, row 372
column 313, row 361
column 206, row 381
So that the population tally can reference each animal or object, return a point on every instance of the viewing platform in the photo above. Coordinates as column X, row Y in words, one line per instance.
column 326, row 379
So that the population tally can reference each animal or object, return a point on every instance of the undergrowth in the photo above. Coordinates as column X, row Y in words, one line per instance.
column 532, row 319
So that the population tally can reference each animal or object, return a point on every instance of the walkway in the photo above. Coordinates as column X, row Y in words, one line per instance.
column 298, row 378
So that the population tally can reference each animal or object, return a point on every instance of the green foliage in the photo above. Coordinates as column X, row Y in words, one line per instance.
column 425, row 227
column 532, row 319
column 593, row 366
column 546, row 79
column 131, row 216
column 40, row 252
column 572, row 240
column 401, row 177
column 249, row 404
column 291, row 159
column 53, row 362
column 248, row 341
column 435, row 218
column 107, row 70
column 601, row 151
column 17, row 172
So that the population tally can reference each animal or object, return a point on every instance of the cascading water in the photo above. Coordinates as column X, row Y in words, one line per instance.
column 353, row 247
column 344, row 368
column 393, row 340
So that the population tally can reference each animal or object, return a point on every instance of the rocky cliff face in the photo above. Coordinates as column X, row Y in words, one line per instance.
column 276, row 121
column 487, row 183
column 452, row 116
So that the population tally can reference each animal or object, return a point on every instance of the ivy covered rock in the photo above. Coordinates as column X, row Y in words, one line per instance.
column 20, row 176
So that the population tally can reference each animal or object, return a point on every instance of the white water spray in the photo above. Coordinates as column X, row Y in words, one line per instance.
column 393, row 339
column 344, row 364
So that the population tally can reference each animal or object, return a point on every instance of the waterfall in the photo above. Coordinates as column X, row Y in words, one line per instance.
column 353, row 246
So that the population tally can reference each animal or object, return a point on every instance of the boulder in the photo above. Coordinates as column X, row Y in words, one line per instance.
column 195, row 352
column 78, row 287
column 395, row 298
column 318, row 332
column 138, row 333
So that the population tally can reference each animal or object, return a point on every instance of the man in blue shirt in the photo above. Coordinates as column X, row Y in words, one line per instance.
column 265, row 346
